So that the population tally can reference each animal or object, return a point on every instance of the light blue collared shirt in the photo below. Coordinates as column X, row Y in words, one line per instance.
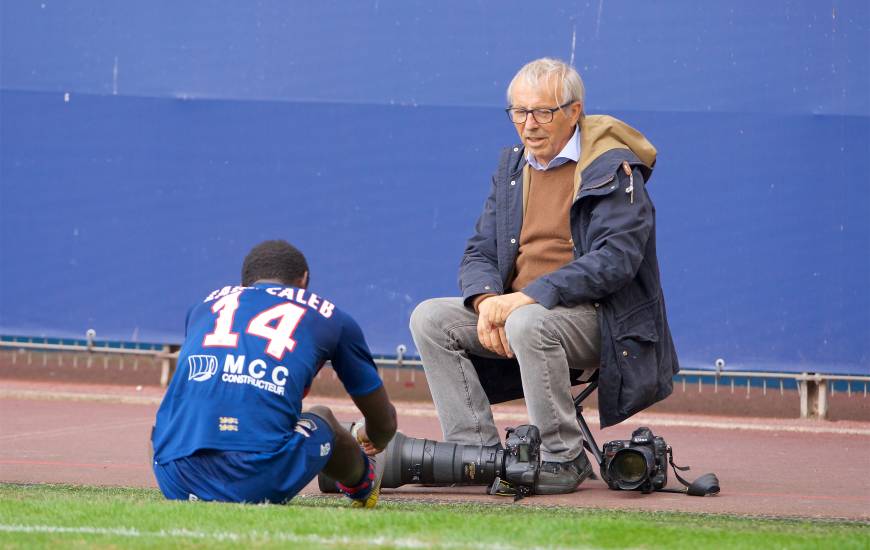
column 571, row 151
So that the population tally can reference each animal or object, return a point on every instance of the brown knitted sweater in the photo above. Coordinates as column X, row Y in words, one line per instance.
column 545, row 238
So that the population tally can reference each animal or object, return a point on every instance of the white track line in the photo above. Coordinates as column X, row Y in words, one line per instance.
column 76, row 396
column 641, row 419
column 406, row 409
column 75, row 429
column 718, row 425
column 258, row 537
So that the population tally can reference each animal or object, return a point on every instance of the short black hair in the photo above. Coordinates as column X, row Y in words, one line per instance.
column 277, row 260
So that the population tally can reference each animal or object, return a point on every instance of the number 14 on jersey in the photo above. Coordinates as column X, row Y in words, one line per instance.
column 276, row 325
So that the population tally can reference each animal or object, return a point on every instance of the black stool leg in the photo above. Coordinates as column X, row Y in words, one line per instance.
column 588, row 440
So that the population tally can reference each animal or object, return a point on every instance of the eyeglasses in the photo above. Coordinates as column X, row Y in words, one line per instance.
column 541, row 116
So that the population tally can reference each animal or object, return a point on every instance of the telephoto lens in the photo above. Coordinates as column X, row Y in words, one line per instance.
column 412, row 460
column 512, row 470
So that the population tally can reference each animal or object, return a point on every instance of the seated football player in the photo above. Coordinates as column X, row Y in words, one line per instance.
column 231, row 426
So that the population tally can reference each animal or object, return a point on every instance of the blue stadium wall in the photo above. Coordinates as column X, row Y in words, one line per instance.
column 146, row 146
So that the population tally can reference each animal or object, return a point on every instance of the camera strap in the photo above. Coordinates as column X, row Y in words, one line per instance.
column 504, row 488
column 707, row 484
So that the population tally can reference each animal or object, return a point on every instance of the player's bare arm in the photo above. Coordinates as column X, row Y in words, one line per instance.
column 380, row 420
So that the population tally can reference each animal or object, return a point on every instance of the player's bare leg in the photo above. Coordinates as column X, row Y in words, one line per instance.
column 346, row 463
column 355, row 473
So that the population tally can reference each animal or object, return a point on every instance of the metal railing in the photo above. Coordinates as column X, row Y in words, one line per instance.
column 163, row 353
column 812, row 387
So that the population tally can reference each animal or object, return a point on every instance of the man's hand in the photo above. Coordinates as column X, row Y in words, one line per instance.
column 493, row 338
column 493, row 312
column 498, row 308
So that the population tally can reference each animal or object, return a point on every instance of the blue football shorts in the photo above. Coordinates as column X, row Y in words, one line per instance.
column 233, row 476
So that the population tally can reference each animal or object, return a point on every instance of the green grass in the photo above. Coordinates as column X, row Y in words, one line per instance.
column 66, row 516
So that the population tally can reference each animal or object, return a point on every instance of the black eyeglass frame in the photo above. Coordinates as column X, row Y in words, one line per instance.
column 533, row 111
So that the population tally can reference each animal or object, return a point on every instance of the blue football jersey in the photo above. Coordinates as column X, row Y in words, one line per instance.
column 249, row 357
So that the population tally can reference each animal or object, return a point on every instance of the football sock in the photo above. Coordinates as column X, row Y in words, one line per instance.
column 363, row 487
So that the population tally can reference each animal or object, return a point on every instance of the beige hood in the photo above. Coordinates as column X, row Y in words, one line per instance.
column 602, row 133
column 599, row 134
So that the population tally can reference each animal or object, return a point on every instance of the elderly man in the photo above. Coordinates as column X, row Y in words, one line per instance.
column 560, row 275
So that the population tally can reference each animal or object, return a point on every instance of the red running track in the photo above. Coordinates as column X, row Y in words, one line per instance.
column 98, row 435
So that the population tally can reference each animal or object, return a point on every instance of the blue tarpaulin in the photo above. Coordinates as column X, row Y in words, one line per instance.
column 146, row 146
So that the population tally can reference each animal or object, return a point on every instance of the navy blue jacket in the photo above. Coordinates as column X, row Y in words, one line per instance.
column 615, row 267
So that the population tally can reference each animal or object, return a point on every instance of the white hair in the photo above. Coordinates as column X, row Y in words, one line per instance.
column 566, row 81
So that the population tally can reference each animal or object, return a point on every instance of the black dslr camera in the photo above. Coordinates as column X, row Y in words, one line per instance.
column 637, row 464
column 521, row 462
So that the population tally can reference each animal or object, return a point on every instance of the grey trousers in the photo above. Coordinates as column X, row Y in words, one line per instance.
column 544, row 341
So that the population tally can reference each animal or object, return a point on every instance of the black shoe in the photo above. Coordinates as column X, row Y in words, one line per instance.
column 556, row 478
